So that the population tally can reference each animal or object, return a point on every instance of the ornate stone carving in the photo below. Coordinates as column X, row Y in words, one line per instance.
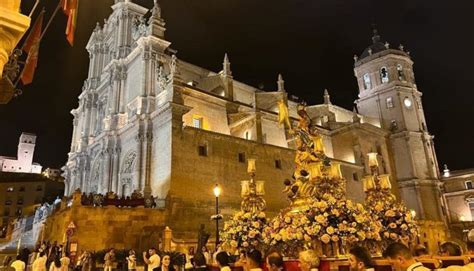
column 161, row 78
column 129, row 162
column 173, row 66
column 139, row 28
column 140, row 137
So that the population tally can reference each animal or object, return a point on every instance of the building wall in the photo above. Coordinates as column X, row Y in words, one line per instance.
column 20, row 191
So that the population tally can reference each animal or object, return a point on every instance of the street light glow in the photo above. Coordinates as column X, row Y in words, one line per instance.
column 217, row 190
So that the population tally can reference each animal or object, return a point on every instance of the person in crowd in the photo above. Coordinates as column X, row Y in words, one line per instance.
column 223, row 261
column 165, row 264
column 253, row 261
column 420, row 251
column 55, row 265
column 86, row 261
column 199, row 262
column 6, row 261
column 242, row 259
column 18, row 264
column 153, row 261
column 401, row 259
column 360, row 259
column 308, row 260
column 189, row 258
column 218, row 249
column 206, row 254
column 275, row 262
column 131, row 260
column 65, row 262
column 470, row 253
column 40, row 263
column 109, row 260
column 450, row 249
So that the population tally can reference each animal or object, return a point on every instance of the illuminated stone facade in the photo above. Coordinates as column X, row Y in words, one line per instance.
column 149, row 122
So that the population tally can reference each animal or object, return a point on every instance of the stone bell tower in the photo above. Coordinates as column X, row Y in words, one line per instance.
column 388, row 92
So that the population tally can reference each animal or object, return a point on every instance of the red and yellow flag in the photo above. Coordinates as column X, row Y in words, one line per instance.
column 31, row 47
column 70, row 9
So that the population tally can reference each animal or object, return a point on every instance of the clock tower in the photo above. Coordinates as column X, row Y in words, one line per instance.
column 388, row 92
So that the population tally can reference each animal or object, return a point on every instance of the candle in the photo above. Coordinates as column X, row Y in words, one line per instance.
column 245, row 188
column 315, row 170
column 318, row 144
column 336, row 170
column 260, row 188
column 373, row 159
column 368, row 182
column 385, row 181
column 251, row 168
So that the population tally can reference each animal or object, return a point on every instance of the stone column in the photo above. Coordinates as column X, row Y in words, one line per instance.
column 148, row 147
column 139, row 138
column 93, row 116
column 74, row 133
column 116, row 168
column 258, row 126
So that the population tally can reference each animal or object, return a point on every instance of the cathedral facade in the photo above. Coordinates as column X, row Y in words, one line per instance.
column 149, row 122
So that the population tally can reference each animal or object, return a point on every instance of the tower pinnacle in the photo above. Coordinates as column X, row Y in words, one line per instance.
column 281, row 83
column 327, row 98
column 226, row 66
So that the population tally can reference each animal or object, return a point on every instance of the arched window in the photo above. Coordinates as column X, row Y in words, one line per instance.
column 401, row 75
column 367, row 84
column 384, row 74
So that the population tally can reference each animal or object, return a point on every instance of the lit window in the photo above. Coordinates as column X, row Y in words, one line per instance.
column 247, row 135
column 367, row 84
column 469, row 185
column 401, row 75
column 10, row 189
column 278, row 163
column 197, row 122
column 389, row 102
column 384, row 74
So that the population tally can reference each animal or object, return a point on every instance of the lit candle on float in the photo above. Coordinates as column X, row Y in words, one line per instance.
column 336, row 170
column 318, row 144
column 315, row 170
column 385, row 181
column 368, row 182
column 373, row 159
column 245, row 188
column 251, row 168
column 260, row 187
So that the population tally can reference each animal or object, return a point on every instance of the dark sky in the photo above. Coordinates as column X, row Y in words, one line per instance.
column 311, row 42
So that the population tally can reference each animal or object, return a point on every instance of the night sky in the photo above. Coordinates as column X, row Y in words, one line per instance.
column 311, row 42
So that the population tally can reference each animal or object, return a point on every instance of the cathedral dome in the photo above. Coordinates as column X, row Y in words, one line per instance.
column 375, row 47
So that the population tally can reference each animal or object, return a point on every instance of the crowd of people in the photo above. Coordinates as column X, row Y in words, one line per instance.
column 53, row 257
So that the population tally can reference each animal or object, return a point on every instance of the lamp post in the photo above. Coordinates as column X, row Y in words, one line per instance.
column 217, row 192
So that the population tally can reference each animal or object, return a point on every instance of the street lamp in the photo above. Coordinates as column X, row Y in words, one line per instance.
column 217, row 216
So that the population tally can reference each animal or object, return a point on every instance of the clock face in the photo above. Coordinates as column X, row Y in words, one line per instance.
column 407, row 102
